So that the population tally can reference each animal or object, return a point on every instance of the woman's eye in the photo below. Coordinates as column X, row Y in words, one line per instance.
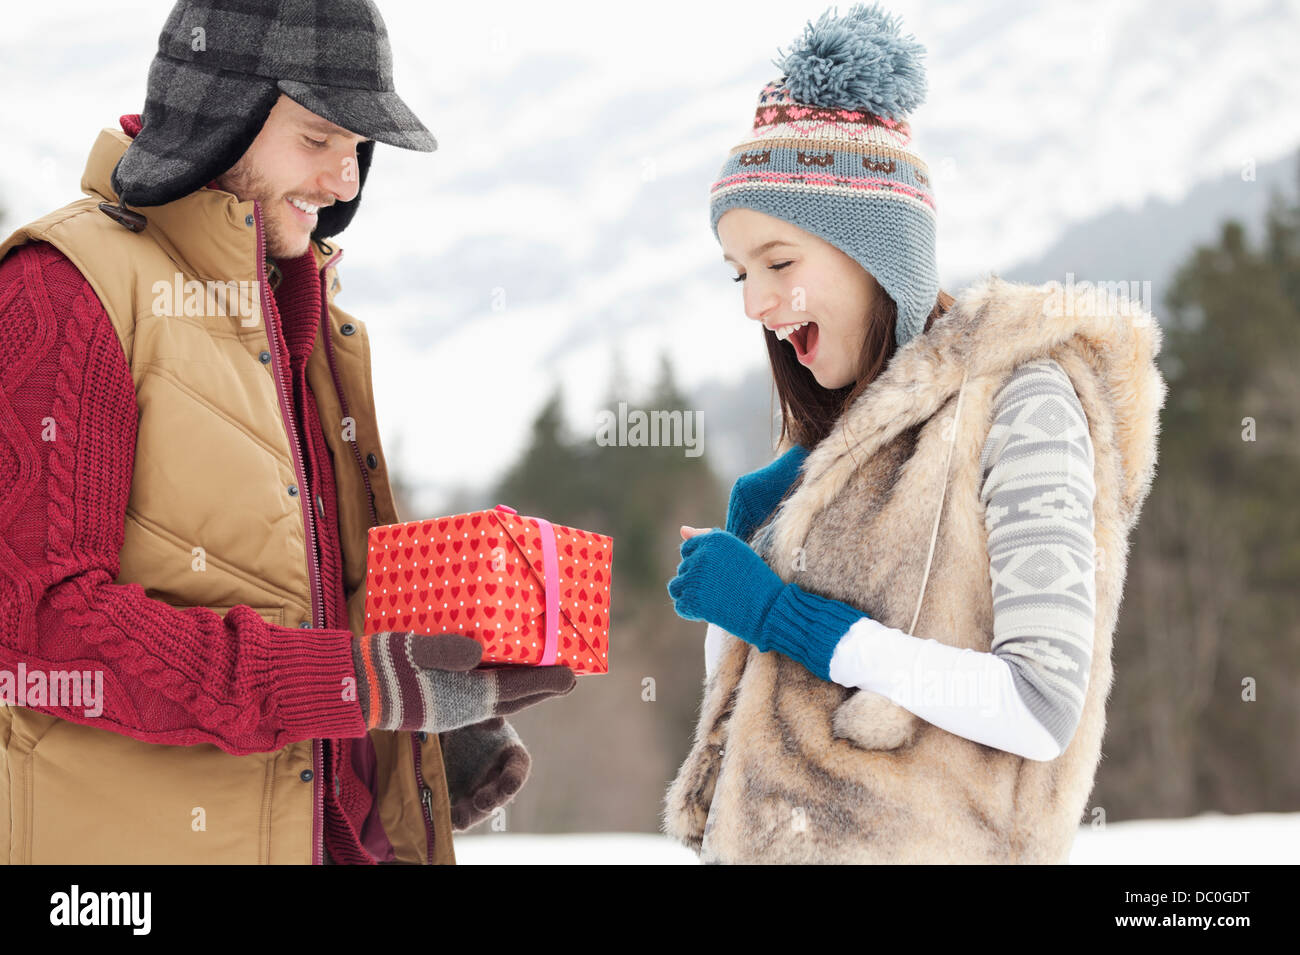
column 775, row 268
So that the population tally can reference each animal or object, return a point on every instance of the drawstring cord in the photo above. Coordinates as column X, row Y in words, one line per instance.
column 934, row 535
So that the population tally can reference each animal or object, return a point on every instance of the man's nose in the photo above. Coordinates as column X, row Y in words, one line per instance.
column 344, row 180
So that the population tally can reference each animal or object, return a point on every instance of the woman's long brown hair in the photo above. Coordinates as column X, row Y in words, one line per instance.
column 809, row 411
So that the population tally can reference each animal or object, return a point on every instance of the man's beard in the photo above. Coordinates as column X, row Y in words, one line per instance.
column 284, row 240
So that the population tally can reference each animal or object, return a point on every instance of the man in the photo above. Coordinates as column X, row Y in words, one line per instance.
column 190, row 463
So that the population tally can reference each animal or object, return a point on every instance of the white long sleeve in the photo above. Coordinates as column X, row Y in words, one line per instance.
column 965, row 692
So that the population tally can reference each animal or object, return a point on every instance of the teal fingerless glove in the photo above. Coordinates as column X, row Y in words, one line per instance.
column 755, row 495
column 722, row 580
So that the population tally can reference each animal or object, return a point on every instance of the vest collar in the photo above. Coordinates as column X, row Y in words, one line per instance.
column 206, row 233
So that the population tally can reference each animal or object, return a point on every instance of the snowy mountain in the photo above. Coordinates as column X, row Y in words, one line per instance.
column 1143, row 245
column 564, row 216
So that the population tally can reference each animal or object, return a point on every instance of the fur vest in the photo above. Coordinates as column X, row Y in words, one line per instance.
column 886, row 516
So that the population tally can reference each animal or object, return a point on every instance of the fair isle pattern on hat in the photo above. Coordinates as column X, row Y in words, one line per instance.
column 849, row 177
column 840, row 150
column 843, row 172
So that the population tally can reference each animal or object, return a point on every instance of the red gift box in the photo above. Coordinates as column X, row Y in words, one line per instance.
column 530, row 591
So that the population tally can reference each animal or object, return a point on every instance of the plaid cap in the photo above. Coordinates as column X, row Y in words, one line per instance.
column 221, row 66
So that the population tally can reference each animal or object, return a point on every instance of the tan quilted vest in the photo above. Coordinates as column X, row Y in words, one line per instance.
column 789, row 768
column 212, row 468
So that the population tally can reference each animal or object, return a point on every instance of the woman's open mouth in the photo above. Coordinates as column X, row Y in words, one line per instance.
column 804, row 341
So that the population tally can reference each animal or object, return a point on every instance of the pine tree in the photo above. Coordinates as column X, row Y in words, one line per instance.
column 1211, row 606
column 604, row 755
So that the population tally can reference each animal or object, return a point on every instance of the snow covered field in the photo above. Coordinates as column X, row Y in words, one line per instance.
column 1212, row 838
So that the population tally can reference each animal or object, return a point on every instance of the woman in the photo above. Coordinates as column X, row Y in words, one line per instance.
column 908, row 656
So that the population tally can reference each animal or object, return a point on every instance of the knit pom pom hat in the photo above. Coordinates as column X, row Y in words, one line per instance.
column 831, row 152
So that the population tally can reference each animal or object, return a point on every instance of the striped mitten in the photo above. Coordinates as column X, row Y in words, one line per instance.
column 414, row 681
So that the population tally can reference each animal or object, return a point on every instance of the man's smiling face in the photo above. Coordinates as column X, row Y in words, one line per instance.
column 296, row 156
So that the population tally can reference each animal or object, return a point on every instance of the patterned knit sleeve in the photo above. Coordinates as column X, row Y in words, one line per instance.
column 180, row 676
column 1038, row 494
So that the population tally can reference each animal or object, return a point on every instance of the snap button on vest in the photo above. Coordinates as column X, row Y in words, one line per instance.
column 293, row 490
column 347, row 328
column 264, row 357
column 306, row 775
column 423, row 736
column 248, row 220
column 372, row 462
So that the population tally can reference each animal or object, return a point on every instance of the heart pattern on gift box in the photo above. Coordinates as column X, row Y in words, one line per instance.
column 481, row 574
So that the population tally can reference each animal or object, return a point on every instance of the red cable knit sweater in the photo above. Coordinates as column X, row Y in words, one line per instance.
column 173, row 676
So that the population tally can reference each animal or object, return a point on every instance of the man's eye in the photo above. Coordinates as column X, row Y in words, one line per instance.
column 318, row 143
column 775, row 268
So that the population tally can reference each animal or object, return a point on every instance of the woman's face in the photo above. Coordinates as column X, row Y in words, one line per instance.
column 791, row 276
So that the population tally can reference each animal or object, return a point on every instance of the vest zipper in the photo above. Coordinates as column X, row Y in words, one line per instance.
column 304, row 499
column 426, row 794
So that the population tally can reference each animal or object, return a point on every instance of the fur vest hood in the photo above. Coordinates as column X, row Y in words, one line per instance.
column 886, row 516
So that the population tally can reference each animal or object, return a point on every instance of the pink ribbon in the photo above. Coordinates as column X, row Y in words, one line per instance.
column 551, row 571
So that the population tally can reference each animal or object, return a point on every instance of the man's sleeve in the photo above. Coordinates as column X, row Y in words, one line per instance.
column 68, row 420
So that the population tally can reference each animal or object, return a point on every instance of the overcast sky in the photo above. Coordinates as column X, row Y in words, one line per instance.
column 577, row 143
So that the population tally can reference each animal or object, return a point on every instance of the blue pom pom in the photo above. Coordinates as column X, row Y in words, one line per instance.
column 858, row 61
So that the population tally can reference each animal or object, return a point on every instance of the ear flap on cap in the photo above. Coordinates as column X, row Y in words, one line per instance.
column 178, row 150
column 332, row 220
